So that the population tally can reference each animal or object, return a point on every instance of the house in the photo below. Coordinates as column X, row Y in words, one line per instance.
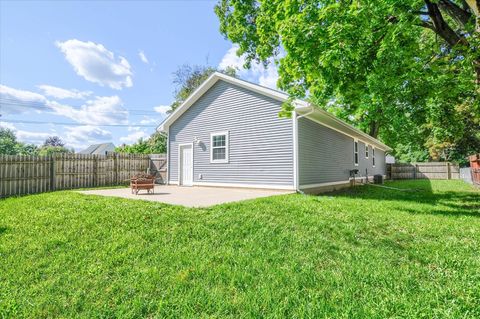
column 389, row 159
column 99, row 149
column 228, row 133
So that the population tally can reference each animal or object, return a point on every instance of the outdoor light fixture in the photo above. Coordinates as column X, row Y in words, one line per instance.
column 196, row 140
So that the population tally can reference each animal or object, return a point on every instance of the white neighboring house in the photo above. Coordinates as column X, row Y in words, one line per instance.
column 229, row 133
column 389, row 159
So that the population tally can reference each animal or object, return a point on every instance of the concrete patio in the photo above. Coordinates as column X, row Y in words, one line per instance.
column 195, row 196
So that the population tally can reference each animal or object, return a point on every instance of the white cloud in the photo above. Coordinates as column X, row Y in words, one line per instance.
column 80, row 137
column 13, row 101
column 10, row 126
column 27, row 136
column 147, row 121
column 97, row 110
column 96, row 64
column 257, row 73
column 87, row 133
column 162, row 109
column 60, row 93
column 143, row 57
column 134, row 136
column 101, row 110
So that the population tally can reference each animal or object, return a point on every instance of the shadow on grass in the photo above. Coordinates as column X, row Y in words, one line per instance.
column 3, row 230
column 441, row 202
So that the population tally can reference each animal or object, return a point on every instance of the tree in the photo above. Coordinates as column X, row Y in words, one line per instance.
column 383, row 65
column 10, row 146
column 54, row 141
column 51, row 150
column 188, row 77
column 53, row 145
column 8, row 142
column 155, row 144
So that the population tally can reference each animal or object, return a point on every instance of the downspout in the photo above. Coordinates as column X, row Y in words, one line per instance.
column 297, row 188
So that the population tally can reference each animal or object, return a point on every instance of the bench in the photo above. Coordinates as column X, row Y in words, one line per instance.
column 142, row 181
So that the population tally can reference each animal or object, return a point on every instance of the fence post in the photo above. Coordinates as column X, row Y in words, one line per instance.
column 449, row 175
column 95, row 165
column 53, row 178
column 115, row 169
column 415, row 167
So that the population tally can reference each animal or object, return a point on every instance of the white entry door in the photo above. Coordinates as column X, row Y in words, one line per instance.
column 186, row 164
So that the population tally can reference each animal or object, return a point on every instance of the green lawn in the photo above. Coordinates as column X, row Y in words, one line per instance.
column 369, row 252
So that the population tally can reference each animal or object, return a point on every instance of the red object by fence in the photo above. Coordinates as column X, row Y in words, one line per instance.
column 475, row 168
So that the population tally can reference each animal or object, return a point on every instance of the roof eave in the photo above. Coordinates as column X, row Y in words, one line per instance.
column 341, row 126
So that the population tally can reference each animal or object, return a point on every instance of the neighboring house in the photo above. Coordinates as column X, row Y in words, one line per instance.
column 390, row 159
column 229, row 133
column 99, row 149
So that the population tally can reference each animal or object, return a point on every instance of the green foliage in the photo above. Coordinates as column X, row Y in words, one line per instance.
column 155, row 144
column 47, row 150
column 381, row 65
column 368, row 252
column 10, row 146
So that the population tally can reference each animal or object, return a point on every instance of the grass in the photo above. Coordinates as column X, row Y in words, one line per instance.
column 368, row 252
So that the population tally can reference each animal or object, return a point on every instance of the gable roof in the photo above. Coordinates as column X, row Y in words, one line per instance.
column 303, row 108
column 99, row 149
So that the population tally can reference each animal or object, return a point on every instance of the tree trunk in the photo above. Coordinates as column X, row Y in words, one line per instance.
column 374, row 128
column 475, row 6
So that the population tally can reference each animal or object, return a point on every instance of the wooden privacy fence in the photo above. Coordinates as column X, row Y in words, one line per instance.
column 35, row 174
column 428, row 170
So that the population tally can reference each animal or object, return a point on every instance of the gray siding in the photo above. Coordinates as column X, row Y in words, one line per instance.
column 261, row 143
column 326, row 155
column 366, row 165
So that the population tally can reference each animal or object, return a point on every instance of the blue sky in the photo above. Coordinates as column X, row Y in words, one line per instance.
column 92, row 64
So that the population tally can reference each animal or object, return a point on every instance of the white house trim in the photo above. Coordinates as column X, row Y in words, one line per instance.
column 168, row 156
column 227, row 147
column 212, row 79
column 356, row 152
column 237, row 185
column 295, row 149
column 306, row 186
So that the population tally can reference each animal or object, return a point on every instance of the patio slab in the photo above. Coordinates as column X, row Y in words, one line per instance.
column 195, row 196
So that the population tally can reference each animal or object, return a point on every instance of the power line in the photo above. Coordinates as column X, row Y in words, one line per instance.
column 74, row 124
column 41, row 106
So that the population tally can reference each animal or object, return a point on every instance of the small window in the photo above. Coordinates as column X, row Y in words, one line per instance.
column 219, row 147
column 355, row 152
column 366, row 151
column 373, row 157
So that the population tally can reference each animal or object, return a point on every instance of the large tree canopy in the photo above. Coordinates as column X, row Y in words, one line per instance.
column 404, row 71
